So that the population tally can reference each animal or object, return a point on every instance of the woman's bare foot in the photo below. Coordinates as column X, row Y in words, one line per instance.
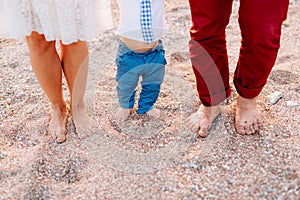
column 57, row 124
column 84, row 124
column 122, row 114
column 248, row 117
column 202, row 120
column 154, row 113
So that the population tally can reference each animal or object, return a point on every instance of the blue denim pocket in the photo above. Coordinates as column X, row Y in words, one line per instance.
column 161, row 57
column 121, row 67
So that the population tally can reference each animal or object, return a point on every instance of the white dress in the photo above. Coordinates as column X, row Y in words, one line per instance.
column 66, row 20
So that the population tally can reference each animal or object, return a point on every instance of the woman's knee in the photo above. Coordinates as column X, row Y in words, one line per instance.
column 38, row 42
column 80, row 46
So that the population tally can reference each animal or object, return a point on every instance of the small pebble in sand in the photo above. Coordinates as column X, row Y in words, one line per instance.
column 9, row 101
column 274, row 97
column 292, row 104
column 194, row 189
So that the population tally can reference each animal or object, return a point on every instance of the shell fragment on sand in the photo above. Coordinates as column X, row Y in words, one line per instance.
column 274, row 97
column 292, row 104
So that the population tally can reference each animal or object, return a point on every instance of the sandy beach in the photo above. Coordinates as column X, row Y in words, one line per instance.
column 147, row 158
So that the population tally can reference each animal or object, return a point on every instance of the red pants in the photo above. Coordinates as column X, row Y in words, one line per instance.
column 260, row 23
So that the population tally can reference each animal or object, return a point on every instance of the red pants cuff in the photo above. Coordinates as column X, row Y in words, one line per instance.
column 215, row 99
column 248, row 93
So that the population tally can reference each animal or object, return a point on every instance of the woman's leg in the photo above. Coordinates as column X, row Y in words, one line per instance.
column 48, row 70
column 75, row 60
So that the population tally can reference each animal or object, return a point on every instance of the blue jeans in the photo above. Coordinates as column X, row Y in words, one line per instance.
column 150, row 66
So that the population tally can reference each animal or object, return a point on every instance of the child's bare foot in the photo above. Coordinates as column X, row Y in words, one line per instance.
column 154, row 113
column 202, row 120
column 84, row 124
column 57, row 124
column 122, row 114
column 248, row 117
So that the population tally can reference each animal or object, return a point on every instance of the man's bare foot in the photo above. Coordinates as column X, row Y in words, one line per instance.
column 57, row 124
column 202, row 120
column 248, row 117
column 122, row 114
column 154, row 113
column 84, row 124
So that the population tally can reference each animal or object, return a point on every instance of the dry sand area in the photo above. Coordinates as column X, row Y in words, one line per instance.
column 147, row 158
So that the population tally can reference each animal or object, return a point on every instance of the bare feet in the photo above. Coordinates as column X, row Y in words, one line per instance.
column 84, row 124
column 154, row 113
column 122, row 114
column 248, row 117
column 202, row 120
column 57, row 124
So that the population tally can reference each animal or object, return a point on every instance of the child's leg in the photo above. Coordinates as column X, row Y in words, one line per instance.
column 150, row 90
column 154, row 71
column 126, row 104
column 127, row 78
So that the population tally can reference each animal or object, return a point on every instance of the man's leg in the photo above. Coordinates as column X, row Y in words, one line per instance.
column 209, row 59
column 260, row 23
